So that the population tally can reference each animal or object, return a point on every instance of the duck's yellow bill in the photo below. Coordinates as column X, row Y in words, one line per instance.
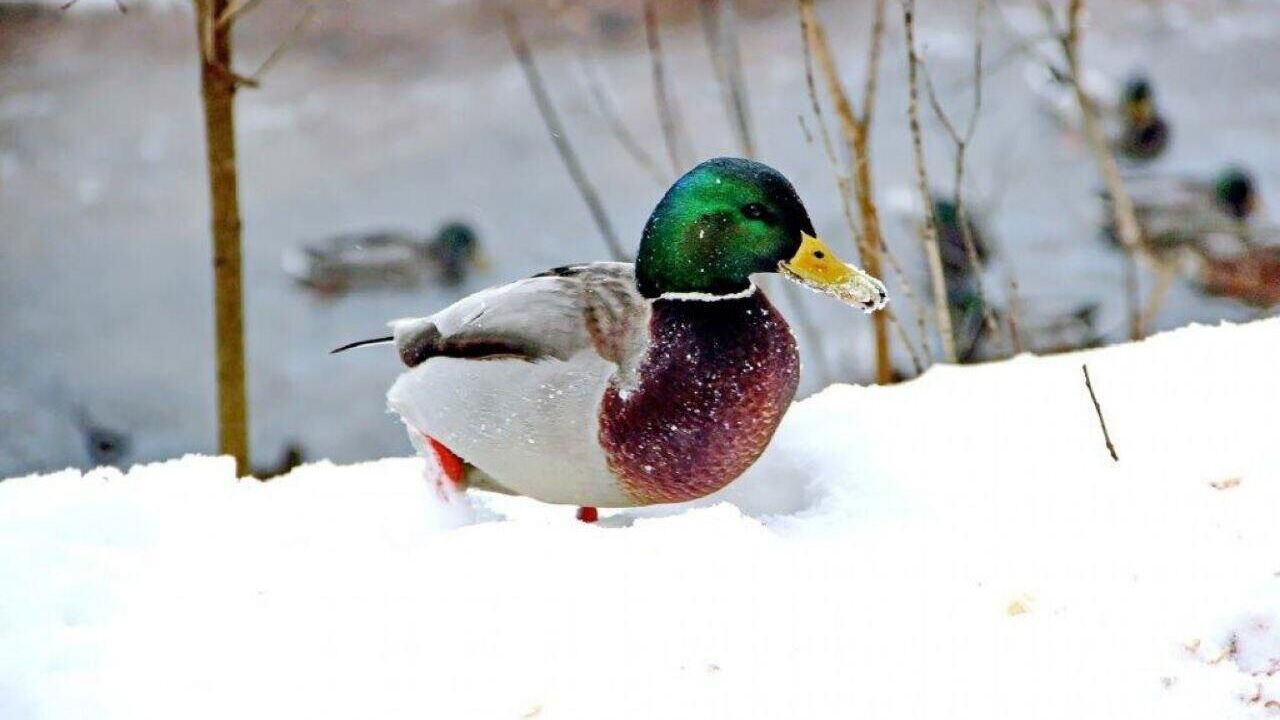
column 817, row 268
column 816, row 264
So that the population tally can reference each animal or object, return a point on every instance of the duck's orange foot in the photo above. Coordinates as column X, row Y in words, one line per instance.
column 452, row 468
column 588, row 514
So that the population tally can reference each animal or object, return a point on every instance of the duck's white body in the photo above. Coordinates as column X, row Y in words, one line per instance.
column 530, row 425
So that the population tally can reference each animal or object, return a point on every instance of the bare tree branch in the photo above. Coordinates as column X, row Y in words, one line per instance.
column 962, row 142
column 1012, row 315
column 218, row 90
column 668, row 115
column 119, row 6
column 520, row 46
column 906, row 341
column 1155, row 301
column 720, row 29
column 1126, row 221
column 807, row 31
column 235, row 9
column 856, row 131
column 607, row 109
column 308, row 14
column 930, row 238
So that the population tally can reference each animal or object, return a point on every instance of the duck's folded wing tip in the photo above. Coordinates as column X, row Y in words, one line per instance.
column 363, row 343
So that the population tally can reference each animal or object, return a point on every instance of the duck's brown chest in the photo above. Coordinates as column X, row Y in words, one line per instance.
column 713, row 386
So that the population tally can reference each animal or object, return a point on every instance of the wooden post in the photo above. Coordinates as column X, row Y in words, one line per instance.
column 218, row 89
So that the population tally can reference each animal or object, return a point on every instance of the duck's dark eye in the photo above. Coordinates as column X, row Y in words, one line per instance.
column 757, row 211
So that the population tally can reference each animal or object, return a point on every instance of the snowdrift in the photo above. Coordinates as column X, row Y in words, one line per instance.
column 959, row 546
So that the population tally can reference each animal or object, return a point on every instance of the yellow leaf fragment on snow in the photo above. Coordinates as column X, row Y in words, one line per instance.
column 1019, row 606
column 1226, row 484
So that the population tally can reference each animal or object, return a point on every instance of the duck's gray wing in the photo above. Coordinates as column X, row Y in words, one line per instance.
column 554, row 315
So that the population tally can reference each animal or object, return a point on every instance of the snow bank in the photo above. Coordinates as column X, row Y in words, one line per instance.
column 960, row 546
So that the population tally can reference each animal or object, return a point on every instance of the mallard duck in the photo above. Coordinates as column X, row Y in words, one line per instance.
column 291, row 457
column 968, row 311
column 104, row 445
column 964, row 298
column 384, row 259
column 613, row 384
column 455, row 251
column 968, row 319
column 1144, row 133
column 952, row 241
column 1174, row 212
column 1251, row 276
column 1130, row 118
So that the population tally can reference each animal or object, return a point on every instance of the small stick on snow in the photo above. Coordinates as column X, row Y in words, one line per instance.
column 1111, row 448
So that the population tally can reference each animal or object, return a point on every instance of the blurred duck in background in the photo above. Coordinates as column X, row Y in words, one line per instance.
column 1131, row 120
column 1208, row 230
column 291, row 457
column 1176, row 212
column 1251, row 276
column 104, row 445
column 385, row 260
column 1144, row 133
column 964, row 298
column 964, row 295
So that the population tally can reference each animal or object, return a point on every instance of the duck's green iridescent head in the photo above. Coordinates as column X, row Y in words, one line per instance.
column 1235, row 193
column 725, row 220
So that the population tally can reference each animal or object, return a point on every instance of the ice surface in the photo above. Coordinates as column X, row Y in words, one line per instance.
column 959, row 546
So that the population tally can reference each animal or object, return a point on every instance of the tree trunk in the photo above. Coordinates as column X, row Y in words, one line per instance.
column 874, row 243
column 218, row 87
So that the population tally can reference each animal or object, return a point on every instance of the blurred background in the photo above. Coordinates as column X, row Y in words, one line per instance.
column 393, row 159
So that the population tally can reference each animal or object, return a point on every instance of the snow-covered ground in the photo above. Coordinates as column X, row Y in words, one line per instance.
column 959, row 546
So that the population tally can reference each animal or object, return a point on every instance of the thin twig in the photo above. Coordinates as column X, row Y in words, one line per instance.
column 1097, row 408
column 308, row 14
column 807, row 30
column 119, row 6
column 1011, row 315
column 856, row 131
column 235, row 10
column 1125, row 219
column 520, row 46
column 962, row 142
column 906, row 341
column 668, row 116
column 608, row 110
column 720, row 30
column 857, row 134
column 816, row 41
column 804, row 128
column 206, row 29
column 874, row 53
column 930, row 238
column 1155, row 301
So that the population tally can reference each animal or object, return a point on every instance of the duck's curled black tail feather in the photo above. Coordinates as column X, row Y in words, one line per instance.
column 363, row 343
